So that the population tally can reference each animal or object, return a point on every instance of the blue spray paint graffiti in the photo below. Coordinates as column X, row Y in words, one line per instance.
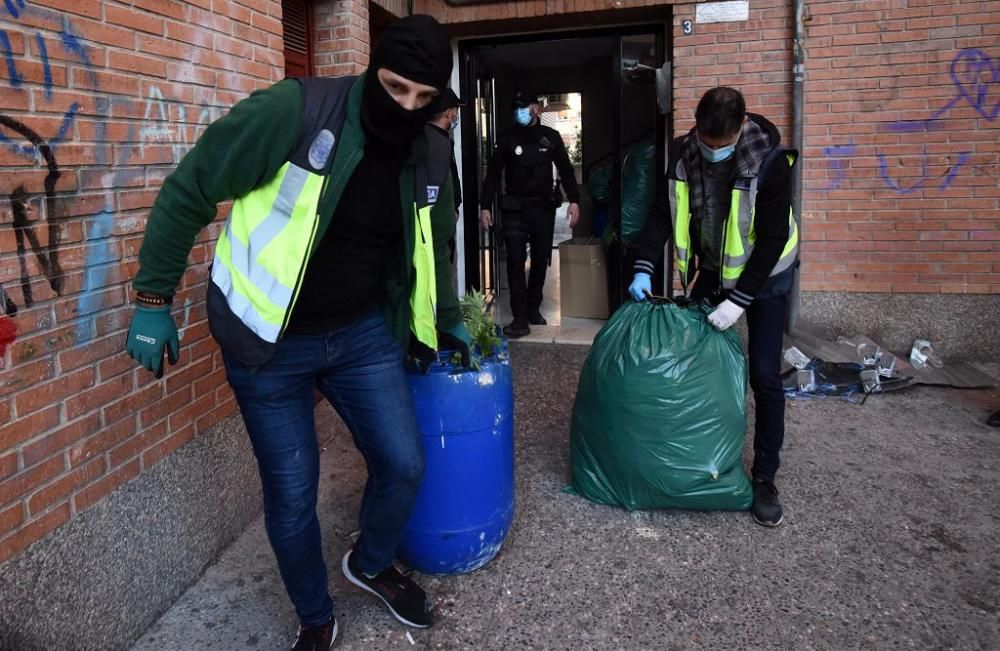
column 836, row 156
column 975, row 79
column 72, row 45
column 14, row 7
column 102, row 257
column 8, row 55
column 967, row 71
column 44, row 53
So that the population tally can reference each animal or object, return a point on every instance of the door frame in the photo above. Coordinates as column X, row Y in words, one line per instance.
column 466, row 49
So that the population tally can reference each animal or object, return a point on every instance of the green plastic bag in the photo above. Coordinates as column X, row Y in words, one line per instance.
column 660, row 414
column 638, row 187
column 599, row 181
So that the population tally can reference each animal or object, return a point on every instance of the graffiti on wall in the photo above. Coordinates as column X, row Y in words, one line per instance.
column 975, row 79
column 38, row 217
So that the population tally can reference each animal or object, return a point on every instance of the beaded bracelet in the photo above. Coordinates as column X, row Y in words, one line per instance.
column 152, row 300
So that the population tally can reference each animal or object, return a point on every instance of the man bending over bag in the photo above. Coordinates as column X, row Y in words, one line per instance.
column 728, row 207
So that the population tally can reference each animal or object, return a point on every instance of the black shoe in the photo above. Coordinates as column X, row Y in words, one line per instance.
column 994, row 419
column 319, row 638
column 405, row 599
column 536, row 318
column 517, row 328
column 766, row 508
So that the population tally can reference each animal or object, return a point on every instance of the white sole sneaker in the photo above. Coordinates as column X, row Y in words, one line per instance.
column 361, row 584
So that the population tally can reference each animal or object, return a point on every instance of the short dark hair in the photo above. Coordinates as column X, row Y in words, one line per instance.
column 720, row 112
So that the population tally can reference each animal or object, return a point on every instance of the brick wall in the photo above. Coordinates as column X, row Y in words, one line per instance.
column 903, row 146
column 902, row 142
column 341, row 45
column 99, row 100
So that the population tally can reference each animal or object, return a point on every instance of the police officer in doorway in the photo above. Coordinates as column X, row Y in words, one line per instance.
column 525, row 155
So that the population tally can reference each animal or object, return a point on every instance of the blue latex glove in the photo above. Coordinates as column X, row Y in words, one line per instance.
column 641, row 284
column 151, row 334
column 458, row 338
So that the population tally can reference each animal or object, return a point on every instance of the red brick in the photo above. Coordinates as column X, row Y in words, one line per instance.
column 43, row 345
column 59, row 440
column 155, row 454
column 101, row 395
column 54, row 391
column 33, row 531
column 99, row 489
column 162, row 408
column 28, row 479
column 137, row 63
column 104, row 440
column 62, row 487
column 133, row 404
column 11, row 517
column 191, row 412
column 133, row 447
column 24, row 428
column 170, row 8
column 115, row 365
column 137, row 20
column 186, row 376
column 222, row 411
column 8, row 465
column 91, row 9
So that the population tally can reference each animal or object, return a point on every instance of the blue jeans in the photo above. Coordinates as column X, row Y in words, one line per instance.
column 359, row 369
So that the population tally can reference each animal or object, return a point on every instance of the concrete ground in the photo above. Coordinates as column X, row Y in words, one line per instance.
column 891, row 540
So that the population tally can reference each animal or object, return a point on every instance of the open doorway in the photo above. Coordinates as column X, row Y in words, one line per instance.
column 600, row 92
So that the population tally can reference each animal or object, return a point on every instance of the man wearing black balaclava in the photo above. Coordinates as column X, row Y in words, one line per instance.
column 333, row 260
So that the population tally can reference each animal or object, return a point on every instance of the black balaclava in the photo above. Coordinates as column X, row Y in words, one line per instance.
column 415, row 47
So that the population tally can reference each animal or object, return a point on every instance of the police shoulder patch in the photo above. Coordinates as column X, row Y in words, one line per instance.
column 432, row 193
column 319, row 150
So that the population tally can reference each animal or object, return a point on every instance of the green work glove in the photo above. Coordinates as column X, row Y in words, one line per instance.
column 152, row 331
column 459, row 339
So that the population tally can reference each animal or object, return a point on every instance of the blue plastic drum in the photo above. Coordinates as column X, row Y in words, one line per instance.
column 466, row 503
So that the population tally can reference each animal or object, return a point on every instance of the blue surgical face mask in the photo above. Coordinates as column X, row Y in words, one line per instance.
column 523, row 116
column 715, row 155
column 454, row 124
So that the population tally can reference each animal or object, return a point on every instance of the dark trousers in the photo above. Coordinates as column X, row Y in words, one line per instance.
column 359, row 369
column 766, row 325
column 534, row 225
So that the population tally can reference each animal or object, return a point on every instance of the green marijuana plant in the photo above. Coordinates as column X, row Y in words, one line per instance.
column 480, row 325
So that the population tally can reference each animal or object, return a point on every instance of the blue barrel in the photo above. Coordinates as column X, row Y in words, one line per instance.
column 466, row 502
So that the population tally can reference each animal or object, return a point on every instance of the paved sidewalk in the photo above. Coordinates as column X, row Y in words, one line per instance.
column 891, row 540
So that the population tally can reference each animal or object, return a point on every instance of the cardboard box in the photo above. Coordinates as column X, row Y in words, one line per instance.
column 583, row 279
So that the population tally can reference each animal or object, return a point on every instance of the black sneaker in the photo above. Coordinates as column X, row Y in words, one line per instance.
column 405, row 599
column 536, row 318
column 994, row 419
column 766, row 508
column 319, row 638
column 517, row 328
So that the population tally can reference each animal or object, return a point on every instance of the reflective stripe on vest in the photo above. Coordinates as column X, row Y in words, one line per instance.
column 739, row 236
column 680, row 204
column 261, row 251
column 423, row 299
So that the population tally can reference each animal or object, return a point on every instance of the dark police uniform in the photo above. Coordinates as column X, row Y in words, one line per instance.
column 525, row 155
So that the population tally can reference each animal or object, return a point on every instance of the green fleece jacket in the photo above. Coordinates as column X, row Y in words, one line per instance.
column 245, row 149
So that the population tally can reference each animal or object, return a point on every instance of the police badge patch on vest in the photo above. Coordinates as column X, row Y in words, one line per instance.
column 319, row 150
column 432, row 193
